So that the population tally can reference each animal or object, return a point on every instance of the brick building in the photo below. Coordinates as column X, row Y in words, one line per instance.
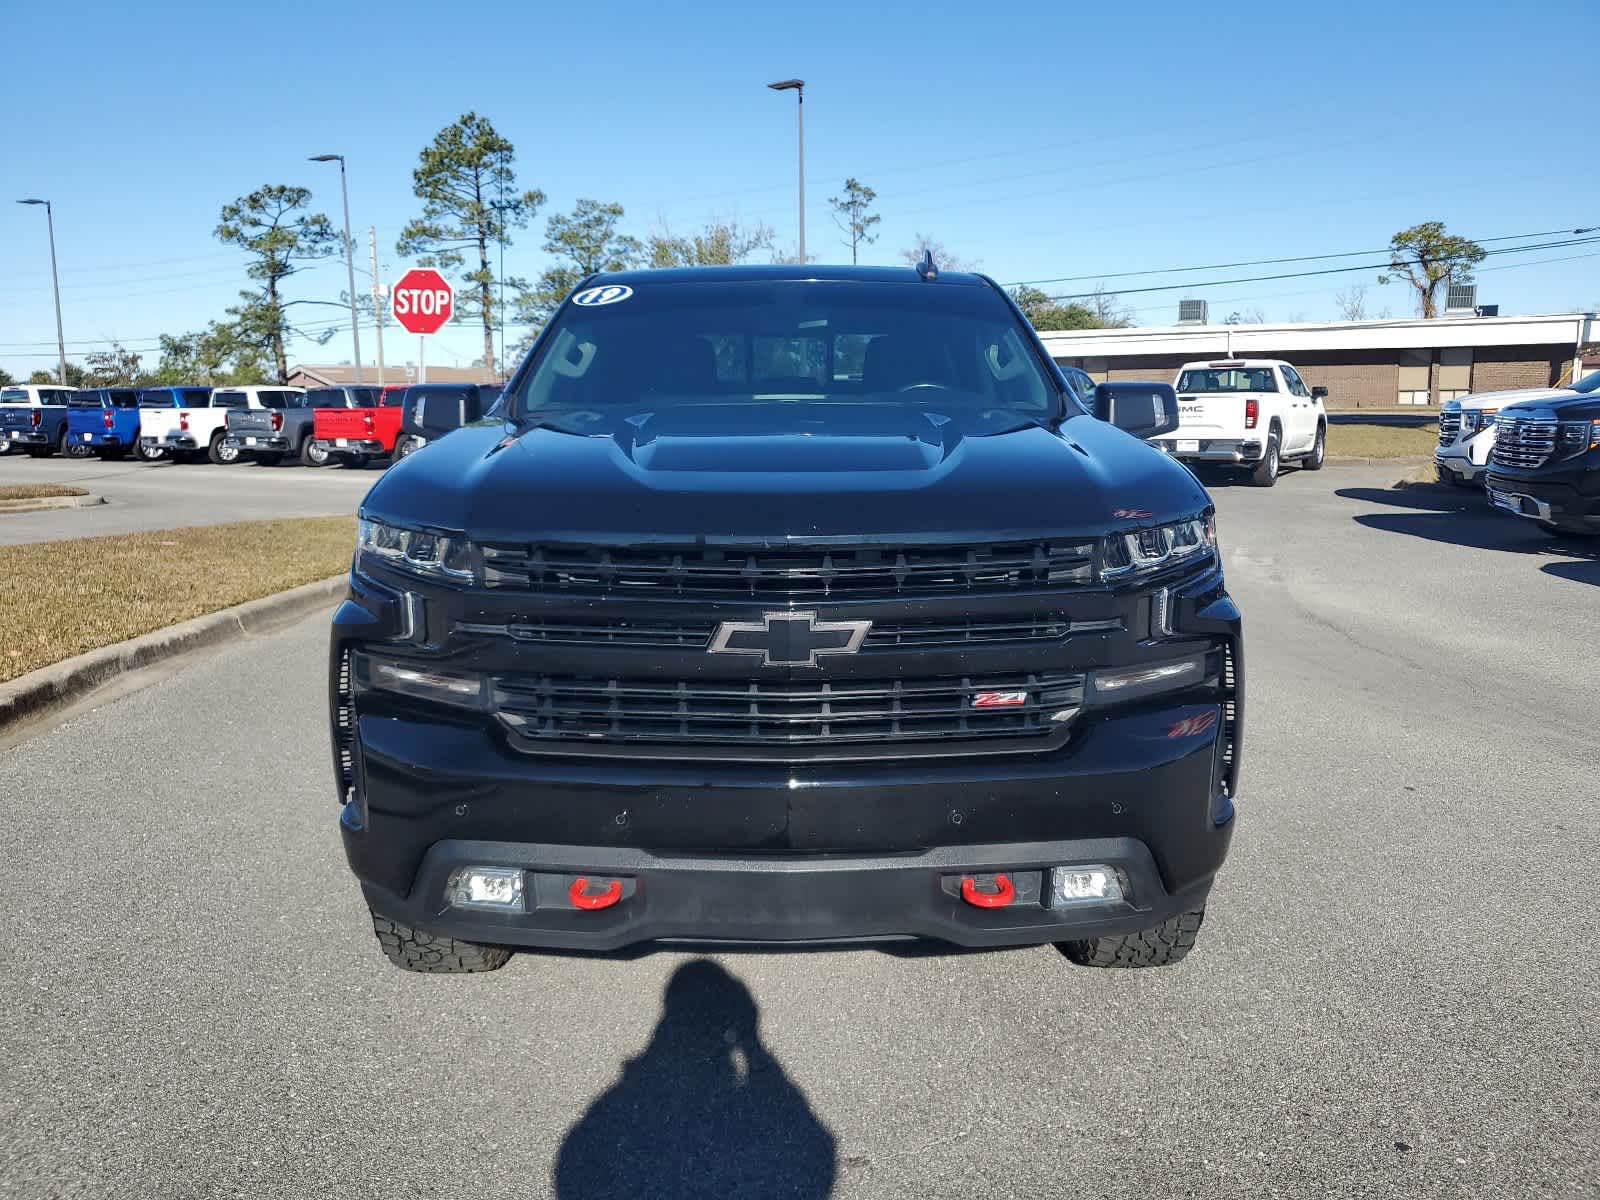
column 1363, row 364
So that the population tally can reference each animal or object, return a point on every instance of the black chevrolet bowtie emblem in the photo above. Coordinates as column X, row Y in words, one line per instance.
column 789, row 639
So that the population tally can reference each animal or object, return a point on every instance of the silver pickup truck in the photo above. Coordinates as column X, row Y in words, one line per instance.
column 279, row 429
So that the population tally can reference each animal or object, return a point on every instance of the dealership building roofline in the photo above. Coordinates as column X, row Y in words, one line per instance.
column 1365, row 364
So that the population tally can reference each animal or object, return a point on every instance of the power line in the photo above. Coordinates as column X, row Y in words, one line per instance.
column 1268, row 262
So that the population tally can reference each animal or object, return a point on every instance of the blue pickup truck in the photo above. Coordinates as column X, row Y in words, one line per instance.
column 104, row 419
column 33, row 419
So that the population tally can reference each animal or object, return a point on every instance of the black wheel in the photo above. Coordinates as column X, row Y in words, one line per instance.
column 221, row 454
column 150, row 453
column 1319, row 450
column 1265, row 473
column 405, row 447
column 415, row 950
column 313, row 453
column 70, row 448
column 1157, row 946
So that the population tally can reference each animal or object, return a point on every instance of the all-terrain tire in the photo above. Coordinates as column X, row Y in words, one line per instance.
column 415, row 950
column 1157, row 946
column 1266, row 471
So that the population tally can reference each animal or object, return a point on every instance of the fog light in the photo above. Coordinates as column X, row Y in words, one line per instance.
column 486, row 887
column 1084, row 885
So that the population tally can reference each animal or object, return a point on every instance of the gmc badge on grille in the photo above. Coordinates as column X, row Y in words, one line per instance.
column 789, row 639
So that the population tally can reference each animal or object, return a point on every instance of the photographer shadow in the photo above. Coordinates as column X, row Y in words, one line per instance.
column 705, row 1110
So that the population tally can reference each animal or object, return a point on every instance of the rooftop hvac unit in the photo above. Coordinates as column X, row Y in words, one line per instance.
column 1461, row 300
column 1192, row 312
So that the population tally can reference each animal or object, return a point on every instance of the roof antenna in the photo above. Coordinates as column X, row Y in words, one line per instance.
column 925, row 268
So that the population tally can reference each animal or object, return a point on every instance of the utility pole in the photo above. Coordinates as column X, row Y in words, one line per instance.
column 61, row 344
column 377, row 296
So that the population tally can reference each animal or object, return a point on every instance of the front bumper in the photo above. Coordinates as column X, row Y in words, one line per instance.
column 1216, row 450
column 1568, row 497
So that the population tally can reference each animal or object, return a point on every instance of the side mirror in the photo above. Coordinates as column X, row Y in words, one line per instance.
column 1319, row 393
column 431, row 410
column 1145, row 410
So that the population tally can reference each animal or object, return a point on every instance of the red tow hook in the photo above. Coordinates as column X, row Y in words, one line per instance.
column 1002, row 895
column 578, row 894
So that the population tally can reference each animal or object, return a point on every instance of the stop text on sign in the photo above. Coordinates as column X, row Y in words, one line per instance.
column 422, row 301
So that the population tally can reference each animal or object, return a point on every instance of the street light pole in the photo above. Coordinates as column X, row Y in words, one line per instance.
column 55, row 280
column 349, row 257
column 798, row 87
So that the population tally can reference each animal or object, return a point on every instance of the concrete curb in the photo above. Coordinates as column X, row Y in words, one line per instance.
column 1357, row 460
column 53, row 687
column 42, row 502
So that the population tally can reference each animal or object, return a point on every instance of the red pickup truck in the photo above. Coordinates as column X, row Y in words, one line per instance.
column 354, row 425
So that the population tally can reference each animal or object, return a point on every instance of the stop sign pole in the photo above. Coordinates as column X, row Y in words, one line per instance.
column 423, row 302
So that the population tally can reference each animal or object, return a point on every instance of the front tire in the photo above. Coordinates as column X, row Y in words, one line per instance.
column 1319, row 449
column 430, row 954
column 1266, row 471
column 1159, row 946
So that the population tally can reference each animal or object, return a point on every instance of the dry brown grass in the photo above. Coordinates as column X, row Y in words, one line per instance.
column 1383, row 441
column 39, row 491
column 58, row 599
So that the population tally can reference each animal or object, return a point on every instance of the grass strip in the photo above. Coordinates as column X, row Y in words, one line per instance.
column 1383, row 441
column 60, row 599
column 39, row 491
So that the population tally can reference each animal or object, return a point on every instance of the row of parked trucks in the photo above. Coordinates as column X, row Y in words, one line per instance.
column 348, row 426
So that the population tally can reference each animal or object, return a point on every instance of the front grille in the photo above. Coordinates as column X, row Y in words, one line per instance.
column 1449, row 427
column 807, row 720
column 1523, row 442
column 842, row 573
column 696, row 635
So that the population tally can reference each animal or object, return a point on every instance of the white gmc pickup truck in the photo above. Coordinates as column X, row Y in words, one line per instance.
column 196, row 430
column 1255, row 413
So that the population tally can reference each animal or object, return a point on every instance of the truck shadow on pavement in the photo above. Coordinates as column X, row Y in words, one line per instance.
column 705, row 1110
column 1460, row 518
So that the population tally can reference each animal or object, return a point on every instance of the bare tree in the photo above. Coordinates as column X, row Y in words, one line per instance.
column 1108, row 308
column 942, row 258
column 1352, row 303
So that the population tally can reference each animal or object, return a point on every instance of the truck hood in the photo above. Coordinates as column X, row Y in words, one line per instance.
column 669, row 477
column 1563, row 405
column 1511, row 396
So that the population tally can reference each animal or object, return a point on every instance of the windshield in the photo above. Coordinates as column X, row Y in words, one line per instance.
column 1228, row 379
column 1589, row 383
column 951, row 351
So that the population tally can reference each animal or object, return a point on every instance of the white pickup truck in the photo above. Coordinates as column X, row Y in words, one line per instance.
column 195, row 429
column 1255, row 413
column 1467, row 428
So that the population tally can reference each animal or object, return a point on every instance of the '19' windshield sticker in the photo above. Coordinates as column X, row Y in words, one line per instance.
column 595, row 296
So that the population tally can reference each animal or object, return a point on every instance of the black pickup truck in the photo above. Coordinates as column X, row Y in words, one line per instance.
column 1545, row 464
column 801, row 605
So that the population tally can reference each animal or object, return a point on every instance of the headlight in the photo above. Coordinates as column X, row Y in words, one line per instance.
column 436, row 556
column 1149, row 550
column 1475, row 419
column 1576, row 437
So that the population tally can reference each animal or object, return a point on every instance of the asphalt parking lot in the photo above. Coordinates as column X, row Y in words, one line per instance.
column 167, row 495
column 1393, row 995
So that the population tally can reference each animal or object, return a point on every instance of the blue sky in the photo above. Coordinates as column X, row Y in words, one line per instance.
column 1067, row 140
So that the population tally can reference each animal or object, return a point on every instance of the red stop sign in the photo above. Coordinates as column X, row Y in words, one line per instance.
column 423, row 301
